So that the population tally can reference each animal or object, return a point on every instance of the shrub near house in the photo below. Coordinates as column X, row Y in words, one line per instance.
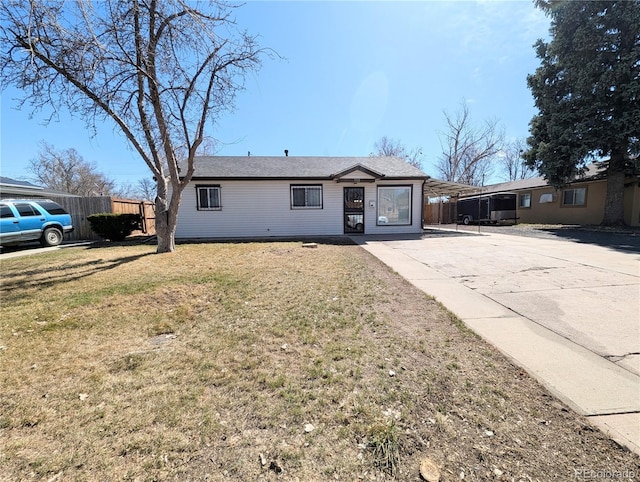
column 114, row 226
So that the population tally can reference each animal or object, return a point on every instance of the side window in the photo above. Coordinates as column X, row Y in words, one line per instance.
column 574, row 197
column 525, row 200
column 5, row 212
column 26, row 210
column 208, row 198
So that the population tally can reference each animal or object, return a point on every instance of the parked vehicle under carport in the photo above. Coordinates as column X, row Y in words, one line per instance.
column 488, row 208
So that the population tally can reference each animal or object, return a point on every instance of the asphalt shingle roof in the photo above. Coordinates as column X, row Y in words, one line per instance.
column 294, row 167
column 592, row 172
column 15, row 182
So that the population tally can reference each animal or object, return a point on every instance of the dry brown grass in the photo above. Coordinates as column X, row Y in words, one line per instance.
column 261, row 361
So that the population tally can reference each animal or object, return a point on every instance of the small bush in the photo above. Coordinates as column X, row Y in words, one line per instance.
column 114, row 226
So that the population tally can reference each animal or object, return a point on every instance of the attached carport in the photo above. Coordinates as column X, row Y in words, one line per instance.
column 436, row 196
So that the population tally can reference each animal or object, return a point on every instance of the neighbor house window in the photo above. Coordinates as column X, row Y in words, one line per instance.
column 394, row 205
column 525, row 200
column 547, row 198
column 574, row 197
column 306, row 197
column 208, row 198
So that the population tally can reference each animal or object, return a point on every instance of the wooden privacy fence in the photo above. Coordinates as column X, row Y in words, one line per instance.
column 81, row 207
column 145, row 209
column 440, row 212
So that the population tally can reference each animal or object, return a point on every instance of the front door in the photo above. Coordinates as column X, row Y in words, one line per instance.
column 353, row 210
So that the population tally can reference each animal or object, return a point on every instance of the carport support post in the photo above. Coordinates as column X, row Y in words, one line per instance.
column 479, row 210
column 480, row 204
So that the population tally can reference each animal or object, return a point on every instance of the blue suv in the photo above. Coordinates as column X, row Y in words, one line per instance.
column 32, row 220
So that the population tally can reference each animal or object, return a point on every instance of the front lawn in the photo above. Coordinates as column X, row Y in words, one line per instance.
column 261, row 361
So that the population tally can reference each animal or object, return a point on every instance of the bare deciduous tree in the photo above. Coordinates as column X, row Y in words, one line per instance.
column 513, row 164
column 468, row 151
column 386, row 146
column 146, row 189
column 67, row 171
column 159, row 70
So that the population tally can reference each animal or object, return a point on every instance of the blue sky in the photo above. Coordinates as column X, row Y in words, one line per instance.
column 352, row 72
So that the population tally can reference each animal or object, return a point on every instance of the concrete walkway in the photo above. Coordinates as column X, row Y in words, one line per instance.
column 568, row 313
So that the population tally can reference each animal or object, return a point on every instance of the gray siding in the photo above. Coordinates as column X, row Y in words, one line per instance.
column 262, row 209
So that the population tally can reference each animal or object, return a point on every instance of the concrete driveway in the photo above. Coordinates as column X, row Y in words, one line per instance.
column 567, row 312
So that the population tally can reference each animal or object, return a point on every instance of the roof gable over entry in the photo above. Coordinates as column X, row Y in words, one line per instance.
column 357, row 173
column 296, row 167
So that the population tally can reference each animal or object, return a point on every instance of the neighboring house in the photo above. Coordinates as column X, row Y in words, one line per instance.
column 12, row 188
column 580, row 202
column 241, row 197
column 80, row 207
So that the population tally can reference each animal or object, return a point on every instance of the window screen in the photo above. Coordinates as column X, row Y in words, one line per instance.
column 209, row 198
column 306, row 197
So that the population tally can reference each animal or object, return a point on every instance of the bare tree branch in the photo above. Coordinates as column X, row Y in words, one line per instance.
column 386, row 146
column 468, row 151
column 67, row 171
column 160, row 71
column 513, row 164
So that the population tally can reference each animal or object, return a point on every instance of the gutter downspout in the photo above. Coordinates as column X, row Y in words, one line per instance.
column 424, row 182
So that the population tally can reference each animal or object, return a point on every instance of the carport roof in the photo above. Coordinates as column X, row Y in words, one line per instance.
column 436, row 188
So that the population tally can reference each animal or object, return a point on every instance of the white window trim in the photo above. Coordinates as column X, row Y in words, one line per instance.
column 207, row 187
column 381, row 215
column 306, row 187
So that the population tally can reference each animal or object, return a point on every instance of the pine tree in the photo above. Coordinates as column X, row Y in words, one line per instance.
column 587, row 91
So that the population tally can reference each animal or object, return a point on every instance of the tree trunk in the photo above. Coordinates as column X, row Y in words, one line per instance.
column 614, row 202
column 166, row 218
column 165, row 231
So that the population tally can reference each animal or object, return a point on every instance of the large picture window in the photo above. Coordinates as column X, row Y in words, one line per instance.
column 394, row 205
column 306, row 197
column 208, row 198
column 574, row 197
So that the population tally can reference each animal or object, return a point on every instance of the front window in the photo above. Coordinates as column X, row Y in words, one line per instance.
column 208, row 198
column 306, row 197
column 574, row 197
column 525, row 200
column 394, row 205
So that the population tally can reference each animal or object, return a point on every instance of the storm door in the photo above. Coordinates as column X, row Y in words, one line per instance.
column 353, row 210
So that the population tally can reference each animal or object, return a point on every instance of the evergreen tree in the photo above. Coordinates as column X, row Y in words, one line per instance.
column 587, row 91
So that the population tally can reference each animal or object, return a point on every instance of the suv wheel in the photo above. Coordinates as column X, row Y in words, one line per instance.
column 51, row 237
